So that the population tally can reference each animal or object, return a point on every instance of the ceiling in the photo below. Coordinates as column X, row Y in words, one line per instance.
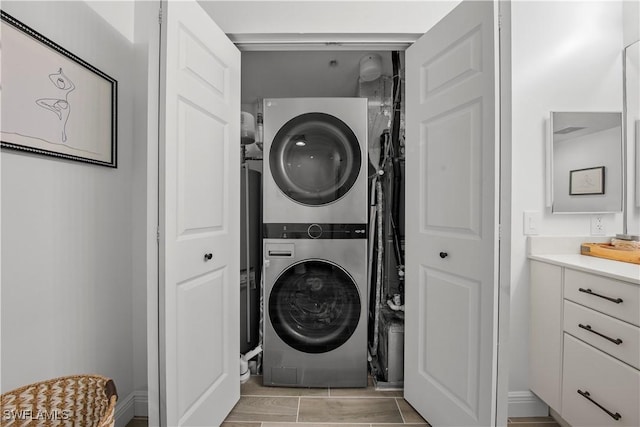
column 281, row 74
column 570, row 125
column 327, row 16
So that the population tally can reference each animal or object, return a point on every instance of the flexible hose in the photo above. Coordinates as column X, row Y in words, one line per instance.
column 380, row 242
column 370, row 242
column 261, row 322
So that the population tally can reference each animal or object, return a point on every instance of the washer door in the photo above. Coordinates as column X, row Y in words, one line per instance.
column 315, row 159
column 314, row 306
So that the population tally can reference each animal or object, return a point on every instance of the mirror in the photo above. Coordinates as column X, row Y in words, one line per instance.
column 632, row 127
column 586, row 162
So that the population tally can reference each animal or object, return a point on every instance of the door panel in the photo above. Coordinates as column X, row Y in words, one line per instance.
column 451, row 172
column 457, row 64
column 201, row 357
column 452, row 222
column 201, row 170
column 199, row 218
column 449, row 356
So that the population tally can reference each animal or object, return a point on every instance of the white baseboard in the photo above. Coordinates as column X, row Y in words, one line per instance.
column 125, row 410
column 135, row 404
column 141, row 403
column 526, row 404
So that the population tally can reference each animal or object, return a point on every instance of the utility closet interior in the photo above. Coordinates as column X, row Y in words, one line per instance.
column 318, row 75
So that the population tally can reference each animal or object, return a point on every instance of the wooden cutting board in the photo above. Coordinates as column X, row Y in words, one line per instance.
column 605, row 250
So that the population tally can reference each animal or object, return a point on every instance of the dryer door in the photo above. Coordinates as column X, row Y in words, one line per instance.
column 314, row 306
column 315, row 159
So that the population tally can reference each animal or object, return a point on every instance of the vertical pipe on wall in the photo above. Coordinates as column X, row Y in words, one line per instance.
column 245, row 166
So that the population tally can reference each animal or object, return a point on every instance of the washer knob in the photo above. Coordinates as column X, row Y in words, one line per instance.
column 314, row 231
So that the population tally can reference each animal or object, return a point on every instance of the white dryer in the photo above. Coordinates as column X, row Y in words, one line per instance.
column 315, row 168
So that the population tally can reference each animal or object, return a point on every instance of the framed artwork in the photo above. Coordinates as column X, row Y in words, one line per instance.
column 54, row 103
column 584, row 182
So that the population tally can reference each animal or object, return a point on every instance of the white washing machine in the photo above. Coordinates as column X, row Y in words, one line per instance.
column 315, row 327
column 315, row 161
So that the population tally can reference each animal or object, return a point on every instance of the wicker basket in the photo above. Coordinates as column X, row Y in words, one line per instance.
column 72, row 401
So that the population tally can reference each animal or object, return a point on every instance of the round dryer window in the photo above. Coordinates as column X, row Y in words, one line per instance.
column 315, row 159
column 314, row 306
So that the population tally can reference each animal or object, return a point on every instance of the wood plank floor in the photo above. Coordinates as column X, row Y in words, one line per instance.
column 261, row 406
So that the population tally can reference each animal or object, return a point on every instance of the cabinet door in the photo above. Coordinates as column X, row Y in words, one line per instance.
column 597, row 389
column 545, row 341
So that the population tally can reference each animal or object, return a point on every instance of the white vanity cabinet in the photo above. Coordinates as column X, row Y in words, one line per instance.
column 545, row 336
column 585, row 339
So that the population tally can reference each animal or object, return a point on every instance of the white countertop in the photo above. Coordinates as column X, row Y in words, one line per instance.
column 605, row 267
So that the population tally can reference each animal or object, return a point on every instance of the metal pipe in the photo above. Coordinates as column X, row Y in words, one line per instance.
column 248, row 248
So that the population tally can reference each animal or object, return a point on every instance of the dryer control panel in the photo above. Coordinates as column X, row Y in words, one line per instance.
column 314, row 231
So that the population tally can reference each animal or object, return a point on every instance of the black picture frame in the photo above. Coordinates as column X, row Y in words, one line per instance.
column 587, row 182
column 54, row 103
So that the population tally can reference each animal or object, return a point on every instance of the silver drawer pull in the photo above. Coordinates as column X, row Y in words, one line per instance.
column 587, row 396
column 590, row 292
column 616, row 341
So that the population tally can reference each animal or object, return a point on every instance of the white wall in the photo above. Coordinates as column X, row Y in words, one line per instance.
column 137, row 21
column 118, row 14
column 67, row 231
column 631, row 16
column 346, row 17
column 145, row 213
column 566, row 56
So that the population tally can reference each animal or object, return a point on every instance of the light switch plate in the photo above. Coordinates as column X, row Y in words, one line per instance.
column 531, row 223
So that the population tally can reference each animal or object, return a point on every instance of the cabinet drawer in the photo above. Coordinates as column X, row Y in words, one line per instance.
column 619, row 339
column 613, row 297
column 606, row 381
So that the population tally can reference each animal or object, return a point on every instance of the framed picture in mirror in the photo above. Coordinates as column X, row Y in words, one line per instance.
column 585, row 182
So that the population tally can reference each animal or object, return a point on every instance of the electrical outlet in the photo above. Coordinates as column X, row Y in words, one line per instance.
column 597, row 225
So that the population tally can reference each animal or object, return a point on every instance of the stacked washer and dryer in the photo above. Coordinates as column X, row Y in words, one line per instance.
column 315, row 242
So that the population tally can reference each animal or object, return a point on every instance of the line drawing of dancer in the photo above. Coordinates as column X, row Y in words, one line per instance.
column 59, row 106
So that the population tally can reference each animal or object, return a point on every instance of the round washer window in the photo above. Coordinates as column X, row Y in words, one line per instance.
column 314, row 306
column 315, row 159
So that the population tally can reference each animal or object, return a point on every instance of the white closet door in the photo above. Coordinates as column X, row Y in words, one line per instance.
column 199, row 218
column 452, row 167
